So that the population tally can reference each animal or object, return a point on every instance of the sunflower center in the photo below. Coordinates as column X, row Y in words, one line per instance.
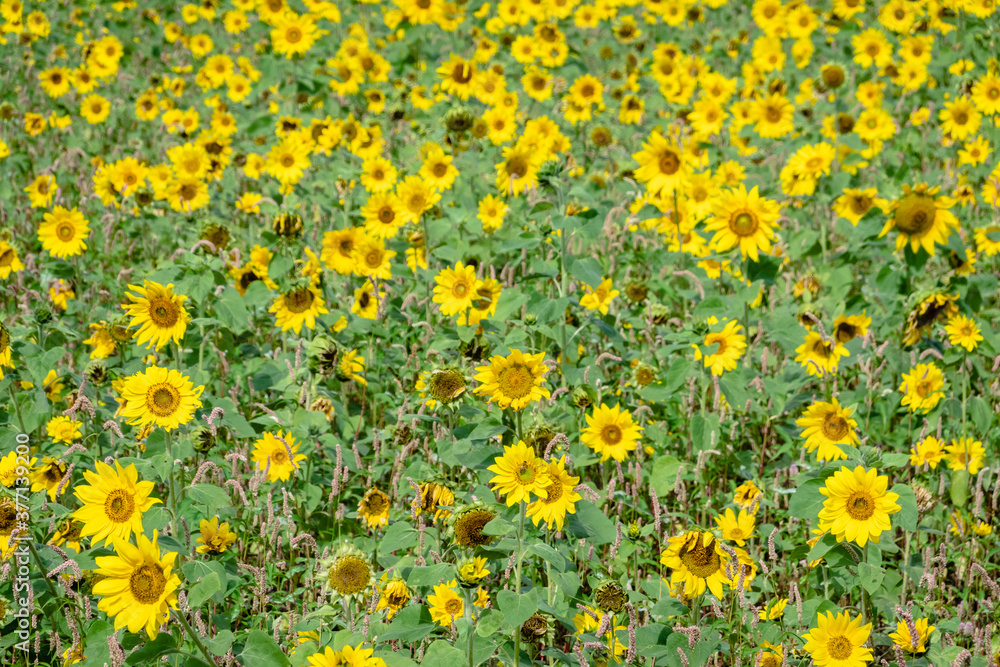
column 846, row 332
column 163, row 399
column 349, row 575
column 162, row 311
column 293, row 35
column 960, row 118
column 915, row 213
column 515, row 381
column 147, row 584
column 287, row 160
column 460, row 290
column 119, row 506
column 65, row 231
column 860, row 506
column 743, row 224
column 860, row 204
column 7, row 518
column 462, row 73
column 386, row 215
column 611, row 434
column 188, row 191
column 839, row 647
column 701, row 560
column 834, row 427
column 374, row 259
column 299, row 300
column 453, row 606
column 424, row 4
column 669, row 163
column 469, row 528
column 773, row 114
column 736, row 533
column 376, row 503
column 993, row 93
column 440, row 169
column 517, row 166
column 364, row 300
column 553, row 492
column 526, row 474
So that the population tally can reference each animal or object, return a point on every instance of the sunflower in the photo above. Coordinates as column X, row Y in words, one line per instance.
column 922, row 387
column 160, row 396
column 743, row 219
column 819, row 356
column 68, row 533
column 901, row 637
column 838, row 641
column 965, row 454
column 854, row 204
column 394, row 596
column 63, row 429
column 560, row 497
column 8, row 523
column 64, row 232
column 921, row 219
column 435, row 498
column 372, row 259
column 458, row 76
column 288, row 160
column 113, row 503
column 929, row 451
column 455, row 289
column 384, row 215
column 278, row 454
column 446, row 605
column 338, row 249
column 848, row 327
column 347, row 574
column 599, row 299
column 773, row 116
column 297, row 307
column 611, row 433
column 731, row 347
column 826, row 425
column 467, row 525
column 55, row 81
column 491, row 213
column 857, row 505
column 736, row 528
column 95, row 109
column 138, row 585
column 294, row 34
column 986, row 94
column 518, row 171
column 936, row 307
column 9, row 261
column 350, row 367
column 366, row 301
column 158, row 312
column 513, row 381
column 49, row 476
column 41, row 190
column 215, row 538
column 697, row 562
column 963, row 331
column 519, row 473
column 960, row 119
column 746, row 495
column 374, row 508
column 663, row 165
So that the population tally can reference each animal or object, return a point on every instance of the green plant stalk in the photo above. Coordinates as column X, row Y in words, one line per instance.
column 173, row 495
column 195, row 639
column 472, row 625
column 517, row 576
column 965, row 388
column 17, row 408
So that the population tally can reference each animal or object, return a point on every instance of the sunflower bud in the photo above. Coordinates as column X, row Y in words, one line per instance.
column 660, row 313
column 446, row 385
column 538, row 438
column 583, row 397
column 43, row 314
column 634, row 530
column 216, row 234
column 459, row 120
column 97, row 372
column 119, row 331
column 636, row 291
column 644, row 374
column 610, row 597
column 871, row 457
column 322, row 353
column 601, row 136
column 474, row 350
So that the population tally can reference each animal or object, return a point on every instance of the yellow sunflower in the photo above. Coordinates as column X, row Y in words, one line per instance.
column 738, row 528
column 839, row 641
column 819, row 356
column 919, row 644
column 963, row 331
column 520, row 473
column 731, row 344
column 138, row 586
column 48, row 476
column 455, row 289
column 446, row 605
column 297, row 307
column 743, row 219
column 965, row 454
column 826, row 425
column 384, row 215
column 160, row 396
column 513, row 381
column 9, row 261
column 920, row 219
column 215, row 538
column 294, row 34
column 338, row 249
column 663, row 165
column 159, row 314
column 366, row 301
column 278, row 454
column 351, row 366
column 697, row 562
column 611, row 433
column 113, row 503
column 922, row 387
column 64, row 232
column 374, row 508
column 347, row 575
column 848, row 327
column 857, row 505
column 560, row 497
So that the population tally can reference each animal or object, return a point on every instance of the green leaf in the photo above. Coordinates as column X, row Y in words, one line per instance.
column 587, row 270
column 210, row 495
column 664, row 474
column 204, row 589
column 399, row 535
column 262, row 651
column 959, row 490
column 908, row 515
column 871, row 577
column 590, row 523
column 442, row 654
column 895, row 460
column 428, row 575
column 498, row 526
column 982, row 415
column 489, row 623
column 517, row 608
column 486, row 429
column 220, row 643
column 411, row 624
column 549, row 554
column 150, row 653
column 807, row 501
column 668, row 607
column 231, row 310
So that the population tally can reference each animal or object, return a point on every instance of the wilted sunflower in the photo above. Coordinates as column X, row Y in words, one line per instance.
column 827, row 425
column 857, row 505
column 467, row 525
column 347, row 574
column 159, row 314
column 113, row 503
column 160, row 396
column 610, row 597
column 394, row 596
column 446, row 385
column 434, row 498
column 297, row 307
column 936, row 307
column 513, row 381
column 921, row 219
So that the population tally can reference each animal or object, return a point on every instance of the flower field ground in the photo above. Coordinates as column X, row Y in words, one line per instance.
column 645, row 332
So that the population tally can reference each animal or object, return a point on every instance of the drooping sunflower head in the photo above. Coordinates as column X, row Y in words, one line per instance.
column 288, row 225
column 467, row 525
column 610, row 597
column 347, row 574
column 535, row 628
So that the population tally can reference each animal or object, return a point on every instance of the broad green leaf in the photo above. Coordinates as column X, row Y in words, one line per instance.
column 262, row 651
column 807, row 501
column 517, row 608
column 908, row 515
column 204, row 589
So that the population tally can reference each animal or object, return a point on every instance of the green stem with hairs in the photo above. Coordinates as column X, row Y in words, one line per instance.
column 517, row 578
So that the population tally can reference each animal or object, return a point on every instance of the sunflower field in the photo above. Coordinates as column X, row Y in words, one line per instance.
column 530, row 332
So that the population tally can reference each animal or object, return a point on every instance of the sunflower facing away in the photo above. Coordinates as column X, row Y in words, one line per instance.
column 826, row 425
column 697, row 563
column 611, row 433
column 920, row 218
column 743, row 219
column 160, row 396
column 138, row 587
column 467, row 525
column 113, row 502
column 839, row 641
column 520, row 473
column 159, row 314
column 857, row 505
column 513, row 381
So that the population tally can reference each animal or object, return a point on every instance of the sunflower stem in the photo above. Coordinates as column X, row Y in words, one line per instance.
column 17, row 408
column 517, row 568
column 195, row 639
column 472, row 625
column 173, row 495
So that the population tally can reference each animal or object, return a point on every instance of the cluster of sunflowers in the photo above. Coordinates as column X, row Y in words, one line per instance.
column 705, row 289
